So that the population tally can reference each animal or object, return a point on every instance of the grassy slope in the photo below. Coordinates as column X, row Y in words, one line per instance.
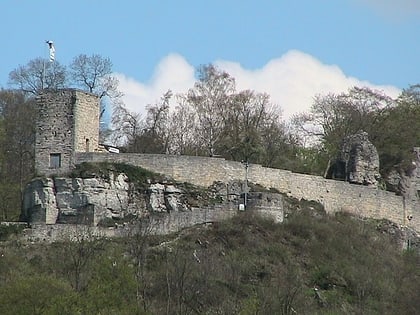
column 246, row 265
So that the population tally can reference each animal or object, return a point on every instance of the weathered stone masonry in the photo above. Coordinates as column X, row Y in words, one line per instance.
column 67, row 133
column 67, row 122
column 334, row 195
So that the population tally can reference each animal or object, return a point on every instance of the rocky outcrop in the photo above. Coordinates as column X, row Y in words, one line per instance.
column 93, row 201
column 78, row 200
column 357, row 162
column 407, row 182
column 166, row 198
column 110, row 200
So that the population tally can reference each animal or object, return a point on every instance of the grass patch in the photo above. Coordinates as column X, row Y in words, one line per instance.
column 139, row 176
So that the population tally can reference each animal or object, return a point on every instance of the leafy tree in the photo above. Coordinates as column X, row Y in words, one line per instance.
column 332, row 117
column 111, row 288
column 399, row 131
column 17, row 130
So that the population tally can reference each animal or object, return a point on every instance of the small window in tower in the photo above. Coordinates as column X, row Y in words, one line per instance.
column 55, row 160
column 87, row 145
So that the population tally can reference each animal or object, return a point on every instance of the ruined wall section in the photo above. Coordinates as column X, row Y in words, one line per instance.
column 54, row 130
column 66, row 118
column 86, row 122
column 334, row 195
column 161, row 225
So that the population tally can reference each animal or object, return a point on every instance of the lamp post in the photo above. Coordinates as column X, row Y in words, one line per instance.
column 246, row 164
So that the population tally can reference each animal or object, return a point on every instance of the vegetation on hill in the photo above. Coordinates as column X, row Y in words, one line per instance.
column 311, row 264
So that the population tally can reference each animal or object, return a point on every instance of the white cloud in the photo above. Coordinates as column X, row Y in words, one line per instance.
column 294, row 79
column 291, row 80
column 172, row 73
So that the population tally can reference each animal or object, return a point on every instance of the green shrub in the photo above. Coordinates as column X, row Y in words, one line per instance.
column 7, row 230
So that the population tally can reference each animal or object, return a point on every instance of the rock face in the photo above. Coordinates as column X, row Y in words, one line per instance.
column 166, row 198
column 407, row 182
column 358, row 161
column 108, row 200
column 92, row 201
column 77, row 200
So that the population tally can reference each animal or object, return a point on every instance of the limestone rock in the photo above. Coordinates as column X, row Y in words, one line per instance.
column 92, row 200
column 78, row 200
column 407, row 183
column 39, row 202
column 166, row 198
column 358, row 161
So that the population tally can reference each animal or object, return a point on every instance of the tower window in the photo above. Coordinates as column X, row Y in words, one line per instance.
column 55, row 160
column 87, row 145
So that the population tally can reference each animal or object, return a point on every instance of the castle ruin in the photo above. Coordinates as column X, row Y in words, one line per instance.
column 67, row 123
column 68, row 131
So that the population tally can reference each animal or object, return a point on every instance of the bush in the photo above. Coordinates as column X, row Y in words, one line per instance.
column 8, row 230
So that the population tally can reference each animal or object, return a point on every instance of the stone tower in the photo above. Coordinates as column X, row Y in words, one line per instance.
column 67, row 122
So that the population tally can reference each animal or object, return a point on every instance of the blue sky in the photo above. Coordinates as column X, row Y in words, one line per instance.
column 289, row 49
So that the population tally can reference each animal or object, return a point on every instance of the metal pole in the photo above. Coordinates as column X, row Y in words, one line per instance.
column 246, row 184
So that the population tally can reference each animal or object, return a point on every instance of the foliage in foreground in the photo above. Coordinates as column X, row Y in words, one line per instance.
column 311, row 264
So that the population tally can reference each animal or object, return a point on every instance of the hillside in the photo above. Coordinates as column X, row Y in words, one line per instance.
column 310, row 264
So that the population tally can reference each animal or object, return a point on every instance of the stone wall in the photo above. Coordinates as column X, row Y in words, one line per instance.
column 66, row 120
column 334, row 195
column 86, row 122
column 161, row 224
column 54, row 130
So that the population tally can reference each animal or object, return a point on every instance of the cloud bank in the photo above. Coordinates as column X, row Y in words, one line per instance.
column 291, row 80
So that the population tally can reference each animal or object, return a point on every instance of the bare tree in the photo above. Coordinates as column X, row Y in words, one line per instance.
column 94, row 74
column 80, row 246
column 248, row 114
column 37, row 75
column 127, row 127
column 138, row 247
column 155, row 136
column 182, row 122
column 209, row 99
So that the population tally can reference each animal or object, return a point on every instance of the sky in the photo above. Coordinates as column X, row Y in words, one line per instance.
column 290, row 49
